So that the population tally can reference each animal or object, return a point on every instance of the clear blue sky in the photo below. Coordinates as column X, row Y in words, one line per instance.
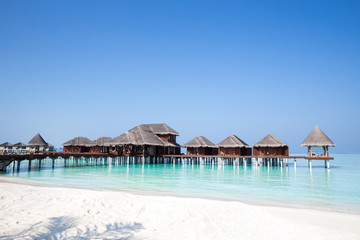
column 212, row 68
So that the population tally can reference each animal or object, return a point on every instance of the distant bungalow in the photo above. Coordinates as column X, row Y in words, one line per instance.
column 78, row 144
column 98, row 145
column 20, row 147
column 233, row 145
column 318, row 143
column 270, row 146
column 36, row 144
column 6, row 147
column 200, row 146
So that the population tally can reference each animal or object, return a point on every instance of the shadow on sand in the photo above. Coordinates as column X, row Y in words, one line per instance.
column 67, row 228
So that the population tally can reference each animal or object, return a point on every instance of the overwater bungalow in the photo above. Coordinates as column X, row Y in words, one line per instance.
column 147, row 140
column 78, row 144
column 19, row 148
column 233, row 145
column 36, row 144
column 6, row 148
column 200, row 146
column 270, row 146
column 98, row 145
column 318, row 143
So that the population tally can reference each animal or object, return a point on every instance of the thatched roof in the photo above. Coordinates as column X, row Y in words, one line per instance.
column 6, row 144
column 78, row 141
column 101, row 141
column 126, row 138
column 270, row 141
column 233, row 142
column 317, row 138
column 199, row 141
column 19, row 144
column 160, row 128
column 139, row 135
column 50, row 145
column 145, row 134
column 37, row 141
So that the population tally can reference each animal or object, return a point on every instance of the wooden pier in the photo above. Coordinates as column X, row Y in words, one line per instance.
column 91, row 159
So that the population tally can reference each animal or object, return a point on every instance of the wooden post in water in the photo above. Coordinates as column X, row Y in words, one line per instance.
column 310, row 165
column 18, row 165
column 294, row 162
column 53, row 163
column 39, row 163
column 29, row 166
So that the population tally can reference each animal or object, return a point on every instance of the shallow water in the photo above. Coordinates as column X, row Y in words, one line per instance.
column 335, row 189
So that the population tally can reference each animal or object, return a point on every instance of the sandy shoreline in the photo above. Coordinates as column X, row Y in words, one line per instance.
column 36, row 212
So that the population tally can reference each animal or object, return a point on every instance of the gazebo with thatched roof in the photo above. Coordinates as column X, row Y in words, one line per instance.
column 37, row 143
column 99, row 145
column 233, row 145
column 200, row 146
column 270, row 146
column 318, row 143
column 78, row 144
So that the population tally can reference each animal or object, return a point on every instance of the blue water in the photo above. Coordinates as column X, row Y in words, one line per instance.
column 335, row 189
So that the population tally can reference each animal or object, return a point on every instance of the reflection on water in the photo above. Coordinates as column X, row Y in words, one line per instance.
column 335, row 188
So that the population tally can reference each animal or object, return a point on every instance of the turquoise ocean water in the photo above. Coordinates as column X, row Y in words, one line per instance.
column 336, row 189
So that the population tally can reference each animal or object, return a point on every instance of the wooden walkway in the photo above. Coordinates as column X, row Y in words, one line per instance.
column 87, row 159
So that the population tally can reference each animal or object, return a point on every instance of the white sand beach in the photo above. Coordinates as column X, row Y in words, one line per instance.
column 43, row 212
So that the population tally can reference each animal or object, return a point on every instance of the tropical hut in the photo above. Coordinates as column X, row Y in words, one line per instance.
column 98, row 145
column 318, row 143
column 147, row 140
column 139, row 141
column 168, row 137
column 270, row 146
column 19, row 148
column 233, row 145
column 37, row 143
column 78, row 144
column 5, row 148
column 200, row 146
